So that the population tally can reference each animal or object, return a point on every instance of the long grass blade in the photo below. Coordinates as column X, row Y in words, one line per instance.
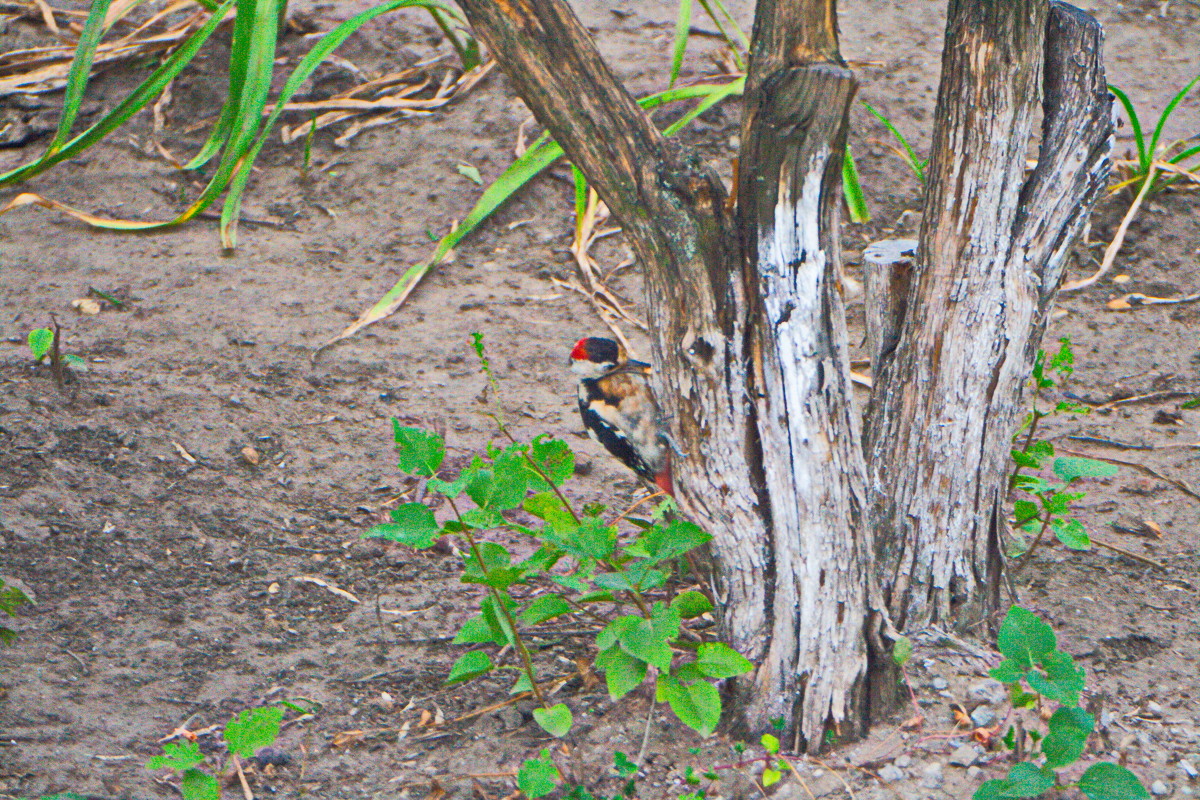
column 541, row 154
column 1167, row 112
column 683, row 23
column 303, row 71
column 135, row 102
column 856, row 201
column 80, row 72
column 743, row 40
column 1139, row 138
column 581, row 197
column 914, row 163
column 239, row 53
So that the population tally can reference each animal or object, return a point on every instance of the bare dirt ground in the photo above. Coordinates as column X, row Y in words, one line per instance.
column 166, row 585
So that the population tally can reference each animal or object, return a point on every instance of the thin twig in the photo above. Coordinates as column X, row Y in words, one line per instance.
column 246, row 793
column 645, row 735
column 1178, row 484
column 1149, row 561
column 1110, row 252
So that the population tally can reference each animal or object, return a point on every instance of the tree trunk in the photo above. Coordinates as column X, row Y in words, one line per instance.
column 749, row 332
column 992, row 249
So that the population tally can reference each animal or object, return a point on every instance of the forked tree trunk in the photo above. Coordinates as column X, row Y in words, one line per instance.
column 993, row 245
column 750, row 337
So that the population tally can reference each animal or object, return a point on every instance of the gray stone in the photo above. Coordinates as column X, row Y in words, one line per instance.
column 903, row 761
column 1188, row 768
column 1160, row 789
column 931, row 775
column 940, row 683
column 965, row 756
column 890, row 773
column 982, row 717
column 973, row 773
column 989, row 691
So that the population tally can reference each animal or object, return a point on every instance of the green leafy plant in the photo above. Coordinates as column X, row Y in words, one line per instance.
column 1048, row 503
column 584, row 566
column 240, row 131
column 245, row 735
column 11, row 598
column 1153, row 157
column 905, row 151
column 45, row 345
column 1037, row 673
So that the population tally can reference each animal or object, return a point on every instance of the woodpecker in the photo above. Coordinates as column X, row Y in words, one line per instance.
column 619, row 410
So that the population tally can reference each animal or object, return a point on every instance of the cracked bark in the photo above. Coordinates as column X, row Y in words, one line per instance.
column 993, row 245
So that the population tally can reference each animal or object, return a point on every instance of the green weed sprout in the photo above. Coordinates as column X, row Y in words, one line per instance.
column 11, row 598
column 1037, row 673
column 1153, row 158
column 44, row 345
column 582, row 566
column 245, row 735
column 1049, row 503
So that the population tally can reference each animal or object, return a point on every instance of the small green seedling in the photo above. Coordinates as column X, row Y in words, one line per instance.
column 44, row 345
column 1153, row 157
column 11, row 598
column 1037, row 673
column 245, row 735
column 1048, row 503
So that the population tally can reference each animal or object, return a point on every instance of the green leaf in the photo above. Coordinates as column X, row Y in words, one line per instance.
column 1069, row 729
column 555, row 720
column 623, row 766
column 538, row 777
column 197, row 785
column 502, row 632
column 691, row 604
column 1024, row 638
column 496, row 489
column 1026, row 780
column 420, row 453
column 253, row 729
column 644, row 642
column 523, row 684
column 469, row 665
column 483, row 518
column 1069, row 468
column 75, row 362
column 1071, row 533
column 554, row 458
column 543, row 608
column 902, row 651
column 622, row 672
column 1105, row 781
column 1009, row 671
column 770, row 743
column 718, row 660
column 469, row 172
column 412, row 524
column 1025, row 510
column 40, row 342
column 856, row 199
column 1060, row 502
column 674, row 539
column 496, row 569
column 11, row 598
column 1062, row 681
column 476, row 630
column 683, row 24
column 698, row 705
column 613, row 631
column 591, row 539
column 665, row 621
column 451, row 489
column 177, row 755
column 991, row 790
column 770, row 776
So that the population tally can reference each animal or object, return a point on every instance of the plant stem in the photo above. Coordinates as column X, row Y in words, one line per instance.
column 1037, row 540
column 503, row 609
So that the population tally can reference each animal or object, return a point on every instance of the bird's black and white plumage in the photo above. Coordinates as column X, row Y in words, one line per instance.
column 619, row 410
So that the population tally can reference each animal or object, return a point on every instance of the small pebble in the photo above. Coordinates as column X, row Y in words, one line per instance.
column 1188, row 768
column 931, row 775
column 973, row 773
column 890, row 773
column 982, row 717
column 1160, row 789
column 989, row 691
column 964, row 756
column 903, row 761
column 940, row 683
column 1153, row 709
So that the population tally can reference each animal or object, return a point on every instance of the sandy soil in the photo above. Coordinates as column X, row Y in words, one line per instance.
column 166, row 585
